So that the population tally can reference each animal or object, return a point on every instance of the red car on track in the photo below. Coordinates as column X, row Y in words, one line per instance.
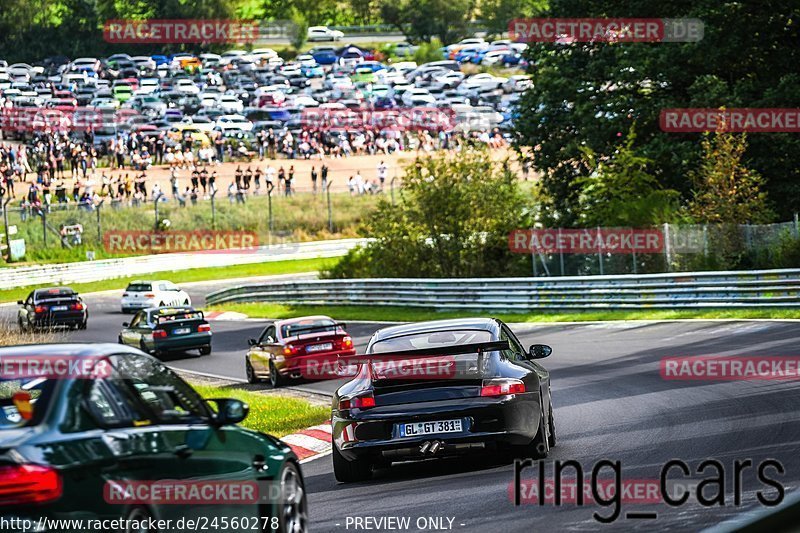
column 307, row 347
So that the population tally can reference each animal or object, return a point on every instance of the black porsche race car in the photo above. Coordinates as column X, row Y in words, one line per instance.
column 441, row 388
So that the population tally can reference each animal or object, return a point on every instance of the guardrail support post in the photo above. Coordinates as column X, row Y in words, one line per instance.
column 330, row 209
column 5, row 225
column 270, row 186
column 599, row 250
column 560, row 252
column 99, row 226
column 796, row 229
column 213, row 210
column 666, row 248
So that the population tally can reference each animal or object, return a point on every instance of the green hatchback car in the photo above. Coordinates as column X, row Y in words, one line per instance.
column 162, row 330
column 113, row 434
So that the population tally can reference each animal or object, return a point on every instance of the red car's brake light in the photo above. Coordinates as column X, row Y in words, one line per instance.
column 204, row 327
column 290, row 349
column 502, row 387
column 159, row 333
column 364, row 401
column 24, row 484
column 347, row 342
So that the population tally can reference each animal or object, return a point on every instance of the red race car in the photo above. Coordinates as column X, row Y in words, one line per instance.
column 307, row 347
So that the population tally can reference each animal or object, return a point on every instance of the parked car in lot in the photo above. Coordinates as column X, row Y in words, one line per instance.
column 56, row 306
column 306, row 347
column 155, row 293
column 441, row 388
column 69, row 446
column 162, row 330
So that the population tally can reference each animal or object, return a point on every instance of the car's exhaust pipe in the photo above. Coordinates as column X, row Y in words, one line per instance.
column 436, row 446
column 424, row 448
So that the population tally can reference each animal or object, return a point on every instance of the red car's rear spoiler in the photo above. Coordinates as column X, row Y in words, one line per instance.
column 477, row 347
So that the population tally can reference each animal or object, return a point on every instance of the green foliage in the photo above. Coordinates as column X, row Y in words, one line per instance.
column 428, row 51
column 275, row 415
column 496, row 14
column 587, row 94
column 621, row 192
column 725, row 190
column 421, row 20
column 453, row 220
column 299, row 30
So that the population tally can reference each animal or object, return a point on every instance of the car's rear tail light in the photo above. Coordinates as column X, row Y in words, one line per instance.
column 159, row 333
column 149, row 295
column 40, row 309
column 76, row 307
column 347, row 342
column 364, row 401
column 204, row 327
column 502, row 387
column 290, row 349
column 24, row 484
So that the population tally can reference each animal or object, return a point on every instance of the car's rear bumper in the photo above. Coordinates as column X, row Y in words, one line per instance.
column 183, row 342
column 486, row 422
column 59, row 319
column 312, row 366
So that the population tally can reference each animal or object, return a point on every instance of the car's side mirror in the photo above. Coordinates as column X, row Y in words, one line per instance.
column 252, row 342
column 125, row 324
column 20, row 302
column 229, row 411
column 539, row 351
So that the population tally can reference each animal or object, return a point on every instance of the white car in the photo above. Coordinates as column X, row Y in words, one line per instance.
column 230, row 55
column 230, row 103
column 481, row 82
column 153, row 293
column 323, row 33
column 495, row 57
column 234, row 123
column 518, row 83
column 418, row 97
column 187, row 87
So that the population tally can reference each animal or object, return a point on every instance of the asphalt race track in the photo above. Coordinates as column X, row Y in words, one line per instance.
column 610, row 403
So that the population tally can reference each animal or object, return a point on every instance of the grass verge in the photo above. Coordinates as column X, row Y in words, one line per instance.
column 276, row 415
column 402, row 314
column 195, row 274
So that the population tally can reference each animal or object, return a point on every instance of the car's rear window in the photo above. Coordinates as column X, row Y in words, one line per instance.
column 50, row 294
column 173, row 317
column 431, row 339
column 301, row 327
column 139, row 287
column 24, row 401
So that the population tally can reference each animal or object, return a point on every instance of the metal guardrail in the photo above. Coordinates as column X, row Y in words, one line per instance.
column 765, row 288
column 86, row 271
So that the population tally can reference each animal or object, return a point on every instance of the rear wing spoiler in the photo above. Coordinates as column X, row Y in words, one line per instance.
column 309, row 329
column 478, row 347
column 177, row 317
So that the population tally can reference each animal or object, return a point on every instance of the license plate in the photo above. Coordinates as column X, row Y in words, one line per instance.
column 181, row 331
column 59, row 308
column 320, row 347
column 430, row 428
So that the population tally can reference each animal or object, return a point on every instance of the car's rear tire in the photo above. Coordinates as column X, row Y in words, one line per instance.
column 83, row 324
column 540, row 446
column 293, row 507
column 22, row 327
column 205, row 350
column 141, row 517
column 275, row 378
column 142, row 347
column 552, row 421
column 350, row 471
column 250, row 372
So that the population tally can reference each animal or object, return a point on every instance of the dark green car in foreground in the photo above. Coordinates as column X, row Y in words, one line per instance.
column 103, row 431
column 161, row 330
